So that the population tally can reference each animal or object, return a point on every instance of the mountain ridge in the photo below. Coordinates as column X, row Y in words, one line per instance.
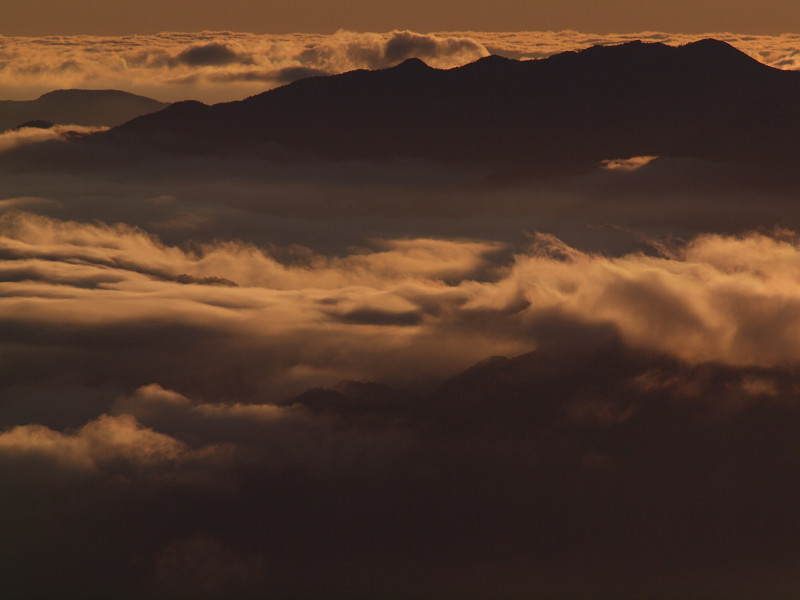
column 578, row 107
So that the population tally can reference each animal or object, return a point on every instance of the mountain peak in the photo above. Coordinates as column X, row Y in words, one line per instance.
column 412, row 64
column 75, row 94
column 712, row 45
column 716, row 51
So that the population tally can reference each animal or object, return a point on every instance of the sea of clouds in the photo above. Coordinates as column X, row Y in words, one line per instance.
column 223, row 66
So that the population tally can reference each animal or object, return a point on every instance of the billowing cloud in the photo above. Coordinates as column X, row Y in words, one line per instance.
column 346, row 50
column 106, row 441
column 213, row 66
column 401, row 311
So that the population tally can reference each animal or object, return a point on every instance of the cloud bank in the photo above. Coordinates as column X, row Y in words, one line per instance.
column 401, row 312
column 222, row 66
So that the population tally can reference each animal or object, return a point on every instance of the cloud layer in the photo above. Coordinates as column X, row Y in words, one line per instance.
column 222, row 66
column 658, row 388
column 406, row 312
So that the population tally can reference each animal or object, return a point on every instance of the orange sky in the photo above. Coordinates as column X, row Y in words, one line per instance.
column 53, row 17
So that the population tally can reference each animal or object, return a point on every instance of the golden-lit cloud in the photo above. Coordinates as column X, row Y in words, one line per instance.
column 106, row 440
column 211, row 411
column 727, row 299
column 30, row 135
column 627, row 164
column 212, row 66
column 407, row 312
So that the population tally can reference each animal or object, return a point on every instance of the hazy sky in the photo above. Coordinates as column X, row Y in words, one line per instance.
column 99, row 17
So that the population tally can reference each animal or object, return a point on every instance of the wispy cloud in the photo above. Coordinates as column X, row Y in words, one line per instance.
column 31, row 135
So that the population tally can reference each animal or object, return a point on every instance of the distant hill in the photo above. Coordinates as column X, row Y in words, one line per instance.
column 77, row 107
column 704, row 99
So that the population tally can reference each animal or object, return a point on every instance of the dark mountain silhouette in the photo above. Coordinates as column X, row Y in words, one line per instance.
column 555, row 114
column 77, row 107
